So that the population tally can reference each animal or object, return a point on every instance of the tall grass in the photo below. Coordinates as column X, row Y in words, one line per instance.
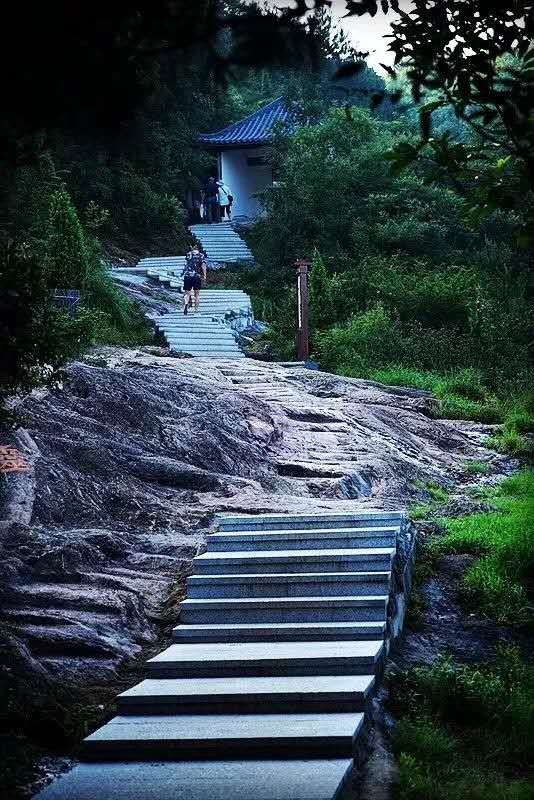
column 466, row 732
column 503, row 540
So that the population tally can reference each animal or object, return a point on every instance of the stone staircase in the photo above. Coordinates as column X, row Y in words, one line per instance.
column 210, row 332
column 264, row 692
column 221, row 243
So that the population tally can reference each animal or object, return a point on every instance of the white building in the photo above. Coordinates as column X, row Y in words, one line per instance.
column 244, row 155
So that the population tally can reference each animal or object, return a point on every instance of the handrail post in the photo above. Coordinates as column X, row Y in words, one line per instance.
column 303, row 343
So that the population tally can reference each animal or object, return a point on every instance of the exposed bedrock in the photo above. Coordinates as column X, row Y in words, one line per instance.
column 132, row 454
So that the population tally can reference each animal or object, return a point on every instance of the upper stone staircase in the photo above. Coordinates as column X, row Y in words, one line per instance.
column 209, row 332
column 265, row 690
column 221, row 243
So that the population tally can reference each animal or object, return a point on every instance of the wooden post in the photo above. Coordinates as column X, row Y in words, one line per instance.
column 303, row 344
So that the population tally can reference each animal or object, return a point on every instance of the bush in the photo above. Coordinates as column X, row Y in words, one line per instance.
column 35, row 336
column 66, row 256
column 369, row 339
column 450, row 299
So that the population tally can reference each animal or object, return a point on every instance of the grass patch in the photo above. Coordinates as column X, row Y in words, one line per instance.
column 466, row 732
column 510, row 442
column 477, row 468
column 437, row 496
column 497, row 583
column 423, row 568
column 461, row 394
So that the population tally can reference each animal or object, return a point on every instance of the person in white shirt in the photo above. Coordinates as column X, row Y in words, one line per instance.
column 225, row 200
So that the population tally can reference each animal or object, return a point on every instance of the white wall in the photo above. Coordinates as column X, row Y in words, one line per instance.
column 244, row 180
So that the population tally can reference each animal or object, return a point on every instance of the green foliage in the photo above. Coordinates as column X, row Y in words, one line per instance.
column 322, row 303
column 497, row 582
column 464, row 730
column 436, row 495
column 477, row 467
column 406, row 284
column 66, row 258
column 36, row 336
column 369, row 339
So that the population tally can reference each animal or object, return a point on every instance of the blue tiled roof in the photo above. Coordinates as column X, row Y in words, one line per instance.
column 254, row 129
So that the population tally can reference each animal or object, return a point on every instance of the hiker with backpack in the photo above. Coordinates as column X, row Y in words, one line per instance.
column 193, row 273
column 225, row 200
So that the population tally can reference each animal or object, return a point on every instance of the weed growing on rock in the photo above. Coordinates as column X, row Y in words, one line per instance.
column 477, row 468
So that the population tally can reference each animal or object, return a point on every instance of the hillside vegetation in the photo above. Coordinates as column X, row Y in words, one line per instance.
column 403, row 289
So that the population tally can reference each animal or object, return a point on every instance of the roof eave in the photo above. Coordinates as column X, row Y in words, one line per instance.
column 250, row 144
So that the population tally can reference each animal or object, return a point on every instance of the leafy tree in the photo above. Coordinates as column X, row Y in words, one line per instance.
column 475, row 57
column 322, row 299
column 454, row 296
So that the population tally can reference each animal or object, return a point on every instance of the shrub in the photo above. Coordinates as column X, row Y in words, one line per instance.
column 369, row 338
column 66, row 256
column 322, row 305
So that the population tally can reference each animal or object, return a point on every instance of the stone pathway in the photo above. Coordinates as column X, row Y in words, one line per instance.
column 209, row 333
column 221, row 243
column 264, row 691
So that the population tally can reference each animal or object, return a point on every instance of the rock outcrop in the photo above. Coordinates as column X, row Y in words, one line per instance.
column 132, row 453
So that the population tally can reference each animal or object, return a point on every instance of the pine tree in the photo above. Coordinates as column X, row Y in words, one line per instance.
column 67, row 258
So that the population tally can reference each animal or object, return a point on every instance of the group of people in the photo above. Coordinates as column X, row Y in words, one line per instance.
column 213, row 205
column 215, row 201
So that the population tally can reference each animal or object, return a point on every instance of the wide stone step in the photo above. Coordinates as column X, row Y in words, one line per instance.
column 236, row 735
column 207, row 346
column 216, row 356
column 201, row 339
column 292, row 561
column 283, row 609
column 280, row 632
column 209, row 353
column 316, row 584
column 174, row 329
column 210, row 295
column 229, row 522
column 309, row 539
column 252, row 695
column 266, row 658
column 224, row 241
column 222, row 249
column 202, row 316
column 190, row 334
column 242, row 779
column 225, row 306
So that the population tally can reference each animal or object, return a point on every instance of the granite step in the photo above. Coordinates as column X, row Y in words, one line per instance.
column 242, row 779
column 283, row 609
column 375, row 559
column 280, row 631
column 266, row 658
column 302, row 539
column 301, row 584
column 231, row 522
column 236, row 735
column 252, row 695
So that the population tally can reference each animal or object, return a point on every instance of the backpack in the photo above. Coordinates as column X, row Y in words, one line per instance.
column 193, row 264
